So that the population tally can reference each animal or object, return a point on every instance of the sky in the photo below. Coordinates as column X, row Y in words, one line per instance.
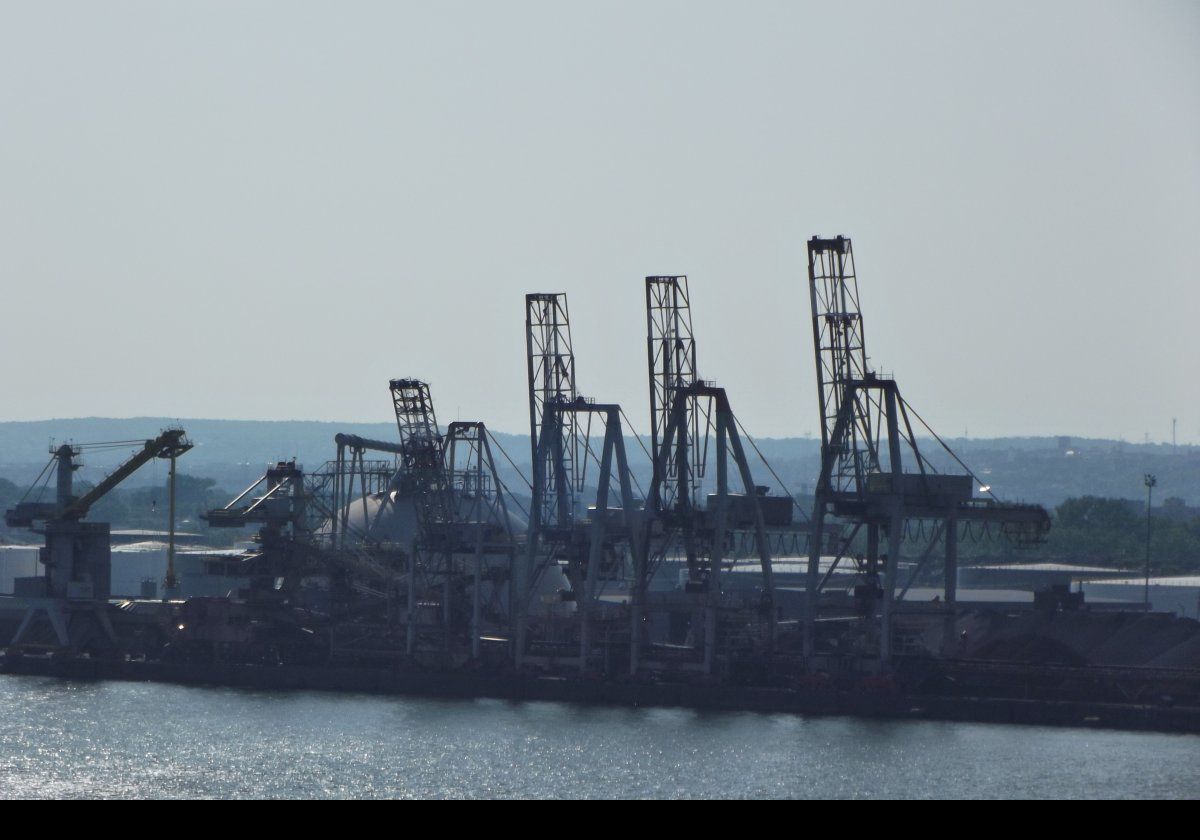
column 265, row 210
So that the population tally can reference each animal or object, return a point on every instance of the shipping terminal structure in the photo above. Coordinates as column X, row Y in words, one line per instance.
column 409, row 565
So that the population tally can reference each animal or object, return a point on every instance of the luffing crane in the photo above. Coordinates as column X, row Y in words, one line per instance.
column 77, row 553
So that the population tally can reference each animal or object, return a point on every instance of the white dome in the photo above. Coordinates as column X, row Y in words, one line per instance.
column 392, row 517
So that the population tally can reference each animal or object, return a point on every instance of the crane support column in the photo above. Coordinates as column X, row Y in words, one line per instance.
column 812, row 583
column 170, row 583
column 950, row 642
column 596, row 545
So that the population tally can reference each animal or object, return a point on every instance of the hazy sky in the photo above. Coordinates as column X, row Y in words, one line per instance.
column 266, row 210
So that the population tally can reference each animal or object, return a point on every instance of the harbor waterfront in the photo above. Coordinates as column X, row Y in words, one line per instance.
column 90, row 739
column 685, row 400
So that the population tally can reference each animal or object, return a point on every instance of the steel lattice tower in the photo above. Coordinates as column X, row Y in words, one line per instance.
column 562, row 528
column 685, row 414
column 671, row 353
column 840, row 353
column 421, row 450
column 551, row 368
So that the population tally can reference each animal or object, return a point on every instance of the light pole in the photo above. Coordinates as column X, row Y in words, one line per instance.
column 1150, row 482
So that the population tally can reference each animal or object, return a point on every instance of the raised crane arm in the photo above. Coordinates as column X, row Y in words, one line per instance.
column 170, row 444
column 356, row 442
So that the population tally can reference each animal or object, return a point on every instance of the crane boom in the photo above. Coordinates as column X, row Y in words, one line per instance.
column 170, row 444
column 356, row 442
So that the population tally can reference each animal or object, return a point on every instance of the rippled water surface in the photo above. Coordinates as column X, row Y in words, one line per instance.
column 64, row 739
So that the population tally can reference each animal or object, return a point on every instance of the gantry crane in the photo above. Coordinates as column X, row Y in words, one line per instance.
column 77, row 554
column 588, row 541
column 873, row 473
column 687, row 415
column 456, row 492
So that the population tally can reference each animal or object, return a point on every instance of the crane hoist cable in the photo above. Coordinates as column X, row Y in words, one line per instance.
column 950, row 451
column 512, row 497
column 770, row 469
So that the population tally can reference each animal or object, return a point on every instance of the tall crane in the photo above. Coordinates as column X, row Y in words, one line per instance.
column 588, row 542
column 460, row 513
column 423, row 477
column 873, row 472
column 671, row 352
column 687, row 415
column 77, row 554
column 551, row 370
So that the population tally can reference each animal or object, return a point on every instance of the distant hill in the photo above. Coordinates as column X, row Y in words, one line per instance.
column 233, row 452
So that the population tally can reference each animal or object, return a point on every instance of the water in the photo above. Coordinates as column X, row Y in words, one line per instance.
column 63, row 739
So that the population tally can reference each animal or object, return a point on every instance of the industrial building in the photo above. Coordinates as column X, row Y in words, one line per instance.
column 1033, row 577
column 1179, row 595
column 17, row 561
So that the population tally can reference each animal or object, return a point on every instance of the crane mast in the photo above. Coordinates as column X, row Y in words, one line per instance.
column 841, row 358
column 423, row 476
column 551, row 369
column 421, row 458
column 671, row 352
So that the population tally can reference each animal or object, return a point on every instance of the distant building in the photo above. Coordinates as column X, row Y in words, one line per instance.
column 138, row 569
column 17, row 561
column 1033, row 577
column 1178, row 595
column 125, row 536
column 201, row 571
column 1177, row 510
